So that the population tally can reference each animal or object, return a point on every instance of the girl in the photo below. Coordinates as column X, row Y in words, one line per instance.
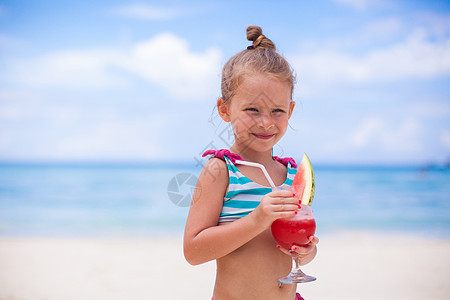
column 233, row 207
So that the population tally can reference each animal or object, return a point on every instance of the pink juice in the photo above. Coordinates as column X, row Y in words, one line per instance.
column 293, row 231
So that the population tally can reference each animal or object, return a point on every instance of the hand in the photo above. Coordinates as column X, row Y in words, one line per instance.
column 306, row 253
column 275, row 205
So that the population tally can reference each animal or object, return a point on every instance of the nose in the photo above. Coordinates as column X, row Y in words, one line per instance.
column 265, row 121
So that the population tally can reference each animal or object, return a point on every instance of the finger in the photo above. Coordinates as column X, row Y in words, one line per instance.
column 285, row 251
column 282, row 193
column 302, row 250
column 286, row 207
column 284, row 200
column 285, row 214
column 305, row 249
column 314, row 240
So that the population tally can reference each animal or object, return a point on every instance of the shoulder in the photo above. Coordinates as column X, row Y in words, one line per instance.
column 215, row 163
column 211, row 187
column 214, row 172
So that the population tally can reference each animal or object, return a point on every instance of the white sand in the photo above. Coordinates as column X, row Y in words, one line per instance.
column 348, row 266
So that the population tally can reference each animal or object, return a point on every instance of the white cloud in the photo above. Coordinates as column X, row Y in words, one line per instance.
column 164, row 60
column 389, row 137
column 380, row 30
column 37, row 126
column 10, row 43
column 431, row 109
column 363, row 4
column 167, row 61
column 110, row 140
column 88, row 68
column 416, row 57
column 20, row 107
column 445, row 139
column 366, row 132
column 146, row 12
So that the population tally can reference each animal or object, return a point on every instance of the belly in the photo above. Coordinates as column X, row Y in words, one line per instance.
column 252, row 271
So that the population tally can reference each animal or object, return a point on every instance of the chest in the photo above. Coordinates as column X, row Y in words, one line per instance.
column 278, row 174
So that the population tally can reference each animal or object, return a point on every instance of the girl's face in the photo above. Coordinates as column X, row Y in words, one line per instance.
column 259, row 112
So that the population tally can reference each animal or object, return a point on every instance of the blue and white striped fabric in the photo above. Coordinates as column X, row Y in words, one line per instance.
column 243, row 195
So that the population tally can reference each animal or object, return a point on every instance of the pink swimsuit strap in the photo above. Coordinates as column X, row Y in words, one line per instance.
column 286, row 160
column 297, row 297
column 222, row 153
column 233, row 157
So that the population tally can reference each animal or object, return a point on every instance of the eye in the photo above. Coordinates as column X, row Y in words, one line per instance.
column 251, row 109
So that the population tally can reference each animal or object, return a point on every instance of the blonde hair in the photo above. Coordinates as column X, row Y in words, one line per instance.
column 259, row 58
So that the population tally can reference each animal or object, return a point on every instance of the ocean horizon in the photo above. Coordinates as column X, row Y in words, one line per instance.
column 92, row 199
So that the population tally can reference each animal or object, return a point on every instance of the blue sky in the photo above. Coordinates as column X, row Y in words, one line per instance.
column 138, row 81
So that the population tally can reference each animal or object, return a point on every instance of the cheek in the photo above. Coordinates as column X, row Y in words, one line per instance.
column 282, row 124
column 281, row 121
column 243, row 123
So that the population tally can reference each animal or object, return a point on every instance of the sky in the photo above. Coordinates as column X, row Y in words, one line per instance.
column 138, row 81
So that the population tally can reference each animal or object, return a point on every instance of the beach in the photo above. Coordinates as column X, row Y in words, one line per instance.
column 349, row 265
column 111, row 232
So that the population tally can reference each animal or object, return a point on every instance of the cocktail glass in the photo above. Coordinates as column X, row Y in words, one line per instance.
column 295, row 231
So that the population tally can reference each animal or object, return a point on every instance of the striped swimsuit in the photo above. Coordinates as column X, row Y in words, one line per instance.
column 243, row 195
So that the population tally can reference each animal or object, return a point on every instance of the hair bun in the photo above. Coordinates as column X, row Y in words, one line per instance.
column 254, row 34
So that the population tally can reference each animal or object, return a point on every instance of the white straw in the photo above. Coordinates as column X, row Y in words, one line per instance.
column 263, row 169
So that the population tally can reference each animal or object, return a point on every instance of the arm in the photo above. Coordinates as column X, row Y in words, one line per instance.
column 204, row 240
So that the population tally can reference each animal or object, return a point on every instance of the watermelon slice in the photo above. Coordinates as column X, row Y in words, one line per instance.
column 303, row 184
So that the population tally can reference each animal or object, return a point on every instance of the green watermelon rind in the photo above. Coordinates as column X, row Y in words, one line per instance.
column 308, row 199
column 305, row 169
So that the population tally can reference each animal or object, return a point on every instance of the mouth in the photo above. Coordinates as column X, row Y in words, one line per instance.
column 263, row 136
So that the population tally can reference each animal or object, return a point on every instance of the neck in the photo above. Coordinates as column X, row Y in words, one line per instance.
column 247, row 154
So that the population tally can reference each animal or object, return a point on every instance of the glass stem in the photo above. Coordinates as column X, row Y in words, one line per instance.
column 296, row 265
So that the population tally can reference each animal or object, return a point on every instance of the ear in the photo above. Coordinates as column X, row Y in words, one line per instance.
column 223, row 109
column 291, row 108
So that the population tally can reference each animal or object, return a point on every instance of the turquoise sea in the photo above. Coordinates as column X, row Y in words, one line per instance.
column 78, row 200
